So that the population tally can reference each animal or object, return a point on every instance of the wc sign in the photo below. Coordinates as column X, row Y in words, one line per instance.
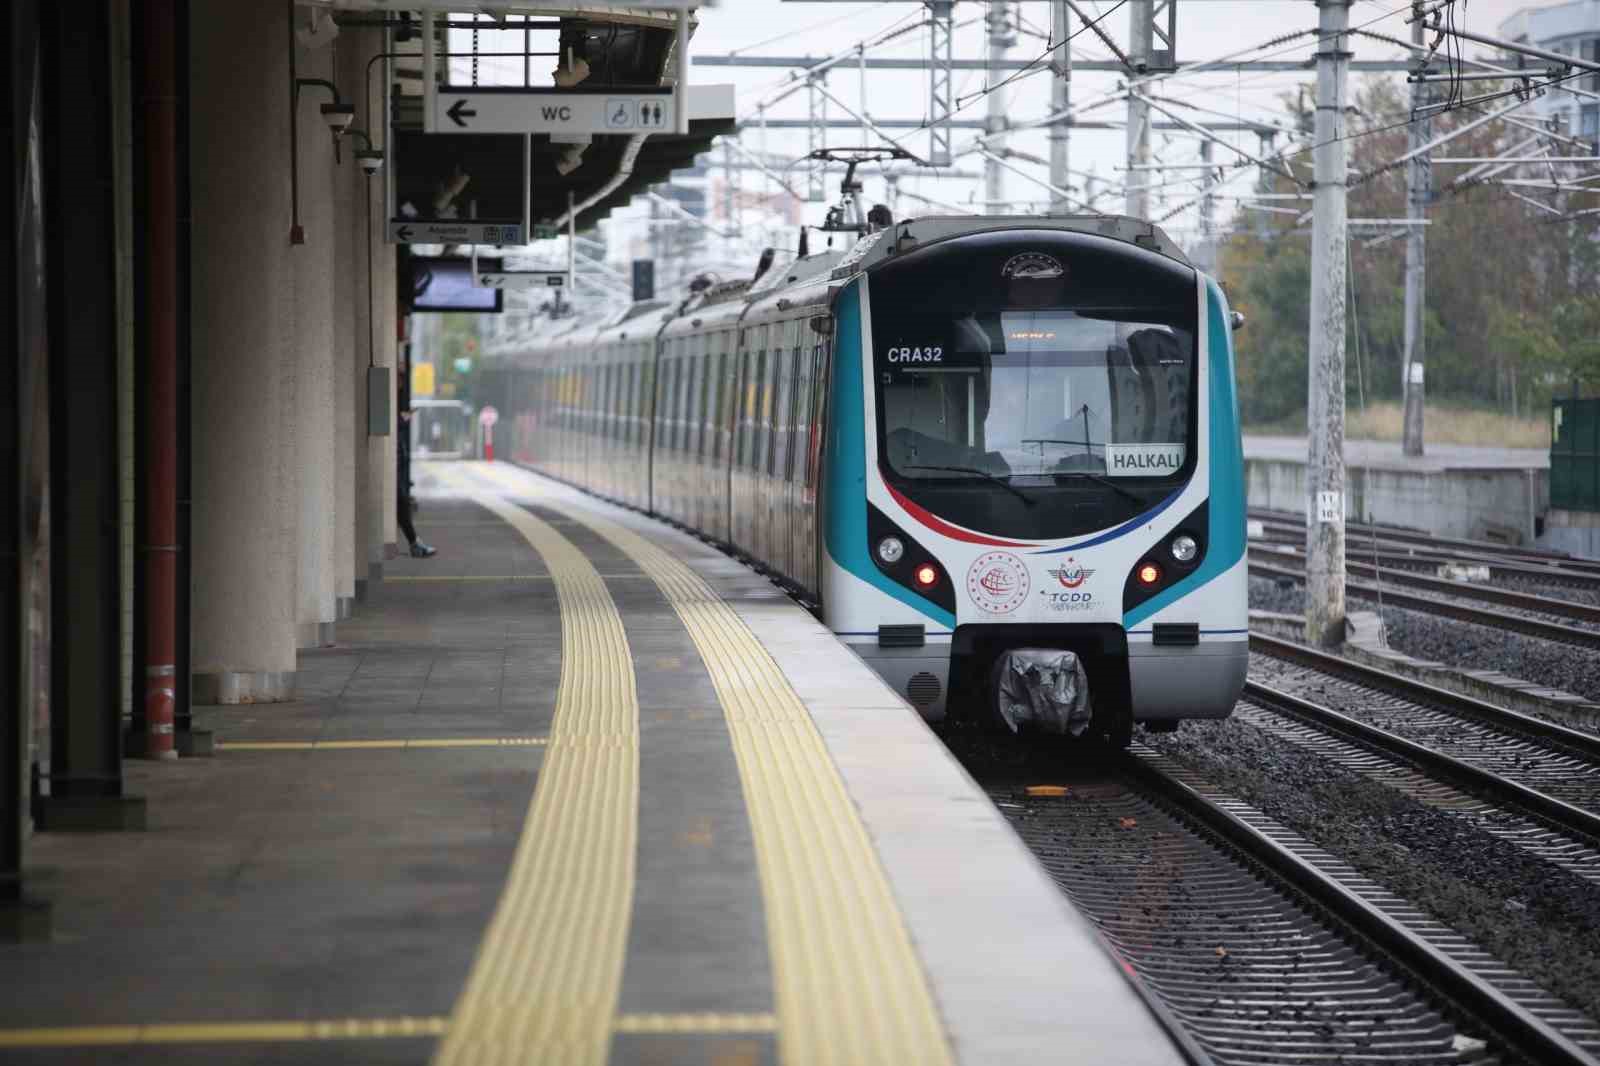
column 519, row 110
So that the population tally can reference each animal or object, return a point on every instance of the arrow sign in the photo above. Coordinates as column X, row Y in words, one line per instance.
column 516, row 110
column 524, row 279
column 402, row 231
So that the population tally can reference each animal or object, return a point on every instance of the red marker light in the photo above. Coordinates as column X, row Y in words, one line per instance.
column 1149, row 574
column 927, row 575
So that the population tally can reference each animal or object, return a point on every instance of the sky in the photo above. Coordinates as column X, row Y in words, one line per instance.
column 1207, row 29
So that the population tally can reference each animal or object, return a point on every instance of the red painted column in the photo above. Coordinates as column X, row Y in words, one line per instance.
column 158, row 96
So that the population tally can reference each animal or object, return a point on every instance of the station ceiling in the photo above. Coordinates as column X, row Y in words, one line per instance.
column 620, row 51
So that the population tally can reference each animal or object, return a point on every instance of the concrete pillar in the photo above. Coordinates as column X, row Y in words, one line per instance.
column 312, row 408
column 245, row 509
column 373, row 466
column 348, row 284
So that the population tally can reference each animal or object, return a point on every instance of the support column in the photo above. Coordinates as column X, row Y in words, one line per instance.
column 22, row 301
column 1141, row 40
column 1207, row 259
column 349, row 425
column 1419, row 180
column 245, row 510
column 313, row 402
column 1060, row 100
column 941, row 92
column 84, row 787
column 1325, row 479
column 1000, row 41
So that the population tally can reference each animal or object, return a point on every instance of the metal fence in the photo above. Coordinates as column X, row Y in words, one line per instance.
column 1575, row 455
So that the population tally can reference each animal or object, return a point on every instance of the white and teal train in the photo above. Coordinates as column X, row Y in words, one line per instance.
column 963, row 437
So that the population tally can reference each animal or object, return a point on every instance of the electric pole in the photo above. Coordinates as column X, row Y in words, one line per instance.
column 1141, row 40
column 1418, row 189
column 1060, row 100
column 1000, row 40
column 1325, row 400
column 1206, row 260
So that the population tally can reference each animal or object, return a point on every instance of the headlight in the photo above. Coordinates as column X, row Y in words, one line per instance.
column 927, row 575
column 890, row 550
column 1184, row 548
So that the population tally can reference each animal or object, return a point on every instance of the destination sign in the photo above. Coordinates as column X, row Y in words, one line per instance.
column 449, row 232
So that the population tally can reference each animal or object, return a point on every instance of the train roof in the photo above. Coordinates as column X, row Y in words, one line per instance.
column 908, row 234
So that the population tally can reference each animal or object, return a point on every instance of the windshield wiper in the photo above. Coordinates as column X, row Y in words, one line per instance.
column 1002, row 482
column 1098, row 479
column 1047, row 440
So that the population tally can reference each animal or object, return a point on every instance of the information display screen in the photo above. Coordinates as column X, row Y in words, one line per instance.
column 445, row 284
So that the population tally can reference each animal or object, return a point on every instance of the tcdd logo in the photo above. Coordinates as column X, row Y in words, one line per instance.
column 1071, row 574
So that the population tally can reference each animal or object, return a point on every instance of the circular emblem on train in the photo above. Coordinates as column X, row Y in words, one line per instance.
column 998, row 582
column 1028, row 266
column 1071, row 574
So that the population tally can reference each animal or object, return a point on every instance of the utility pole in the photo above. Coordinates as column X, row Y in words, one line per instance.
column 1000, row 40
column 1325, row 401
column 1419, row 179
column 1207, row 259
column 1141, row 40
column 1060, row 100
column 941, row 100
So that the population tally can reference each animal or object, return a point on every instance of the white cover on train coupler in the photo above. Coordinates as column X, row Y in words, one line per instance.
column 1042, row 688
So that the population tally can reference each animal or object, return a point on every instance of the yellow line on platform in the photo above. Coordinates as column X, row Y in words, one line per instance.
column 696, row 1023
column 416, row 578
column 222, row 1032
column 850, row 986
column 360, row 745
column 342, row 1029
column 548, row 974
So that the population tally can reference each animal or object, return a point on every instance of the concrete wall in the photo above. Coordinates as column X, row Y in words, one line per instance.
column 1574, row 532
column 1481, row 504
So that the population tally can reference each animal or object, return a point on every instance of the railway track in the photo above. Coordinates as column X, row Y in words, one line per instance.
column 1458, row 549
column 1267, row 563
column 1268, row 949
column 1549, row 770
column 1400, row 556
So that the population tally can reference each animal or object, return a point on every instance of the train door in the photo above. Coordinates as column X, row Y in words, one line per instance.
column 800, row 460
column 782, row 438
column 722, row 439
column 743, row 466
column 697, row 433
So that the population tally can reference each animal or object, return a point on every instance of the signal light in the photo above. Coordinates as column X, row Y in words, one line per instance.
column 1149, row 574
column 927, row 575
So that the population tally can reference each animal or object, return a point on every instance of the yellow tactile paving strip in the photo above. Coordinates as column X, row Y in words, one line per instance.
column 850, row 987
column 545, row 983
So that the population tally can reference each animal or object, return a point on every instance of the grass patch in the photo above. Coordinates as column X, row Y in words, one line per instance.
column 1441, row 425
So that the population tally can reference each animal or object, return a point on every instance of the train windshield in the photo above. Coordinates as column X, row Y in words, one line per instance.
column 1039, row 393
column 1042, row 391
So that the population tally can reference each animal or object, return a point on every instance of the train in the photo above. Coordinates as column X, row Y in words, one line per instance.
column 960, row 441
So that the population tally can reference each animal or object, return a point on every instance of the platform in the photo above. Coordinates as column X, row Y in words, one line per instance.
column 1479, row 493
column 578, row 789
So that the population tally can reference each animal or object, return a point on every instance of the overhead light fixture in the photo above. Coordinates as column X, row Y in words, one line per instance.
column 338, row 115
column 368, row 158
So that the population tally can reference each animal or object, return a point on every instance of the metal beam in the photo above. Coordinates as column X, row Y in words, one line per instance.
column 978, row 124
column 1285, row 66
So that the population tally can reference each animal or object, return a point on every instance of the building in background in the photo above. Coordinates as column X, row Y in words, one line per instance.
column 1571, row 29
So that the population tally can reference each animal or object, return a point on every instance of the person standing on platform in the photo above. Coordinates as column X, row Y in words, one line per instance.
column 402, row 453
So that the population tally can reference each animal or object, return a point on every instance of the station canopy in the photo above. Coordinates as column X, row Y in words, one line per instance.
column 581, row 47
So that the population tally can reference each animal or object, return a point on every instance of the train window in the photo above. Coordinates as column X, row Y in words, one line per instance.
column 702, row 376
column 715, row 369
column 782, row 386
column 761, row 416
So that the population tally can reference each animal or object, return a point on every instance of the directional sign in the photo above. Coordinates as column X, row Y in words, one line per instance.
column 469, row 232
column 554, row 111
column 524, row 279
